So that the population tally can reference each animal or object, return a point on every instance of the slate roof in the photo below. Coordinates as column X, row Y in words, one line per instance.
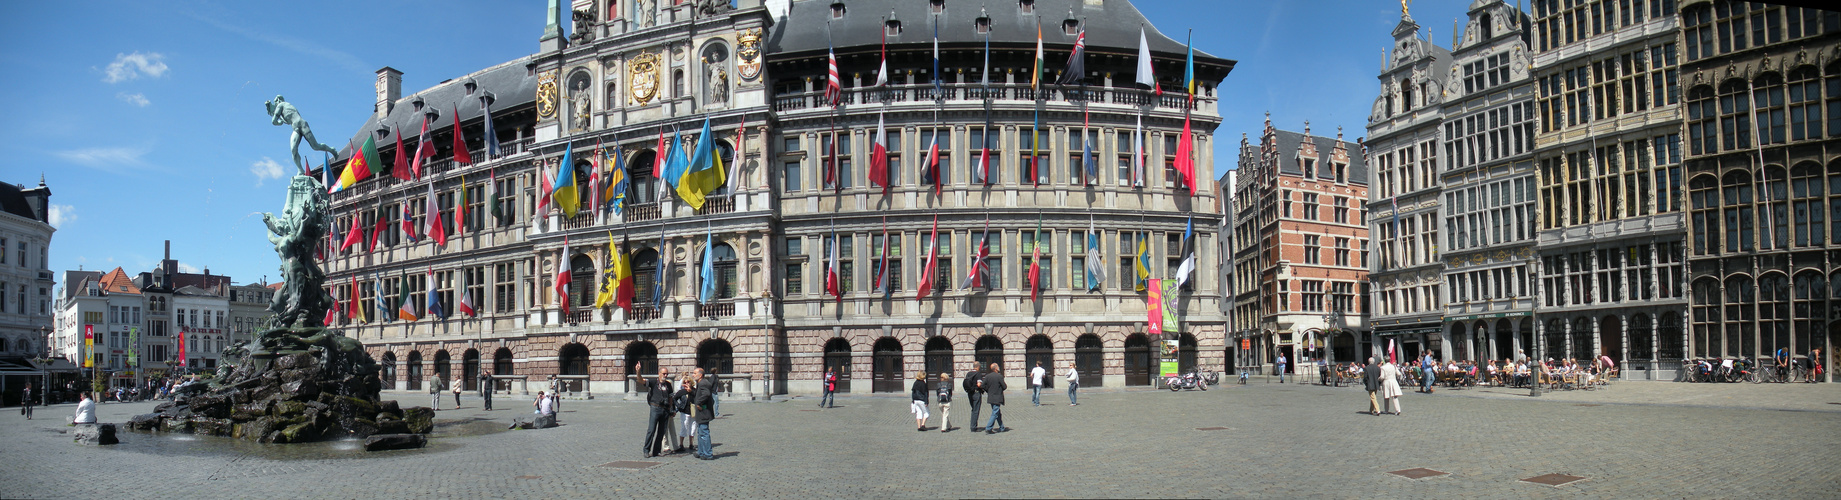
column 13, row 201
column 1288, row 143
column 1113, row 24
column 511, row 85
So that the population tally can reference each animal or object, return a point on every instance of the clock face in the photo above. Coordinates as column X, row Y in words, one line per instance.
column 546, row 99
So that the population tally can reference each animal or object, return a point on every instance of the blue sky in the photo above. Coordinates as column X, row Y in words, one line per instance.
column 146, row 118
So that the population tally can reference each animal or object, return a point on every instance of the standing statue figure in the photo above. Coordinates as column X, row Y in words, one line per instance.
column 584, row 104
column 719, row 84
column 644, row 14
column 296, row 235
column 283, row 113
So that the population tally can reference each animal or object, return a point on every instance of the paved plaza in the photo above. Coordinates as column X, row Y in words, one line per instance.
column 1637, row 439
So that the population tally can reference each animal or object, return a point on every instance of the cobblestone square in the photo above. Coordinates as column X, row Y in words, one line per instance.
column 1636, row 439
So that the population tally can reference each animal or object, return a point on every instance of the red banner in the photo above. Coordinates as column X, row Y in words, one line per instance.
column 1153, row 304
column 181, row 347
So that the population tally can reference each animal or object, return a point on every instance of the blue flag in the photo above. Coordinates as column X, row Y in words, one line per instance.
column 675, row 162
column 492, row 135
column 617, row 184
column 708, row 291
column 658, row 282
column 1090, row 166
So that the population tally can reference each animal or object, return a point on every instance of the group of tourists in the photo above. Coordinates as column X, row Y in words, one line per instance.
column 981, row 386
column 680, row 409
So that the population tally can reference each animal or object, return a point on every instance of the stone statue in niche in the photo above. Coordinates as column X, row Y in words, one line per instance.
column 719, row 85
column 644, row 13
column 583, row 22
column 716, row 73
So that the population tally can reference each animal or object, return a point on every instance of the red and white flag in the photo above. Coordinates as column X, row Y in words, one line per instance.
column 879, row 158
column 562, row 278
column 832, row 285
column 933, row 255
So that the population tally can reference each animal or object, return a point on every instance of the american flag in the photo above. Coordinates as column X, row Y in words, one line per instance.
column 834, row 87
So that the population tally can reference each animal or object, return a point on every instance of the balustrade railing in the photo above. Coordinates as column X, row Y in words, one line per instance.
column 716, row 310
column 642, row 313
column 717, row 205
column 923, row 92
column 642, row 212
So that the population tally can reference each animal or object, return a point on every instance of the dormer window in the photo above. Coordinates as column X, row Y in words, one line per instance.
column 982, row 25
column 1071, row 27
column 1026, row 6
column 891, row 28
column 471, row 86
column 938, row 6
column 837, row 10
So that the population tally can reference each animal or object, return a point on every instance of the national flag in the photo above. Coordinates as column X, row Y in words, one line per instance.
column 658, row 156
column 1187, row 267
column 1035, row 151
column 434, row 297
column 975, row 279
column 409, row 223
column 1143, row 261
column 383, row 224
column 1137, row 156
column 1035, row 76
column 882, row 266
column 424, row 149
column 617, row 183
column 879, row 158
column 1185, row 156
column 987, row 59
column 610, row 285
column 937, row 92
column 332, row 314
column 1089, row 174
column 355, row 235
column 594, row 184
column 492, row 196
column 1077, row 60
column 931, row 168
column 1146, row 76
column 658, row 279
column 87, row 359
column 564, row 193
column 358, row 167
column 543, row 192
column 705, row 174
column 562, row 277
column 832, row 285
column 623, row 278
column 461, row 155
column 1096, row 264
column 383, row 299
column 399, row 166
column 492, row 136
column 834, row 87
column 1189, row 67
column 466, row 298
column 707, row 293
column 357, row 308
column 405, row 309
column 676, row 164
column 984, row 156
column 830, row 179
column 460, row 208
column 432, row 223
column 933, row 254
column 882, row 72
column 1035, row 262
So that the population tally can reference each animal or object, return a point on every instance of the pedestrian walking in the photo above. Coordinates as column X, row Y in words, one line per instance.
column 917, row 404
column 26, row 400
column 1035, row 384
column 974, row 393
column 485, row 389
column 1281, row 368
column 658, row 396
column 1371, row 380
column 1073, row 383
column 994, row 393
column 556, row 392
column 687, row 417
column 945, row 401
column 1390, row 387
column 86, row 409
column 706, row 400
column 458, row 385
column 434, row 392
column 830, row 388
column 1428, row 367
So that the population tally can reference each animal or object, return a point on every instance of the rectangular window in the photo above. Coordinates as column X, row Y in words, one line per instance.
column 1313, row 250
column 791, row 176
column 504, row 287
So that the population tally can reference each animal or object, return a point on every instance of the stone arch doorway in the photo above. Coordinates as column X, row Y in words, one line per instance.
column 1090, row 360
column 415, row 370
column 572, row 359
column 837, row 359
column 716, row 356
column 469, row 370
column 641, row 360
column 885, row 370
column 939, row 359
column 988, row 350
column 1137, row 360
column 387, row 369
column 441, row 366
column 1040, row 349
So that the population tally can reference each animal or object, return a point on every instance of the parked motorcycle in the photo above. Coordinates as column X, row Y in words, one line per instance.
column 1191, row 380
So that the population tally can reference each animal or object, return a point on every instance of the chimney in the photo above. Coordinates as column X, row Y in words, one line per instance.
column 169, row 251
column 389, row 89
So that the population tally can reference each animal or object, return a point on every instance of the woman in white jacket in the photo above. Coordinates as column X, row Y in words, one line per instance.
column 1390, row 387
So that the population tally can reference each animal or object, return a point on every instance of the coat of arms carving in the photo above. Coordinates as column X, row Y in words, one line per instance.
column 748, row 50
column 546, row 94
column 643, row 71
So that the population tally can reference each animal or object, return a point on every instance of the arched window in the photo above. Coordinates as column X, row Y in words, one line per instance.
column 1805, row 104
column 572, row 359
column 837, row 359
column 724, row 266
column 645, row 276
column 1039, row 349
column 1773, row 311
column 582, row 289
column 1089, row 360
column 641, row 186
column 886, row 372
column 1702, row 134
column 501, row 362
column 469, row 370
column 387, row 369
column 441, row 366
column 1488, row 28
column 1137, row 360
column 1735, row 116
column 1406, row 95
column 1767, row 95
column 1641, row 337
column 641, row 359
column 1806, row 205
column 1741, row 297
column 1737, row 207
column 1505, row 339
column 1581, row 347
column 939, row 357
column 1556, row 339
column 988, row 350
column 1706, row 306
column 1810, row 311
column 716, row 356
column 415, row 370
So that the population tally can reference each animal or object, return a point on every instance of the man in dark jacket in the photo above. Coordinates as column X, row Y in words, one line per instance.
column 994, row 393
column 658, row 396
column 974, row 381
column 705, row 399
column 1371, row 380
column 485, row 389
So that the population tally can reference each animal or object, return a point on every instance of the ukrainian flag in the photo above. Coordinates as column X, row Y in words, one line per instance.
column 705, row 174
column 564, row 193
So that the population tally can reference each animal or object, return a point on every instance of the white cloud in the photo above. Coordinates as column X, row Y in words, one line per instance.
column 114, row 160
column 136, row 98
column 62, row 215
column 188, row 268
column 266, row 168
column 132, row 66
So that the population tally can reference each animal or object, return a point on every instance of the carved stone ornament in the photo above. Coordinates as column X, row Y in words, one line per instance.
column 546, row 94
column 748, row 49
column 643, row 73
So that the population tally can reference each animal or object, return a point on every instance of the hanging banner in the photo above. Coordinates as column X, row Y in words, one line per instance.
column 1153, row 304
column 181, row 348
column 89, row 346
column 134, row 335
column 1169, row 307
column 1169, row 365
